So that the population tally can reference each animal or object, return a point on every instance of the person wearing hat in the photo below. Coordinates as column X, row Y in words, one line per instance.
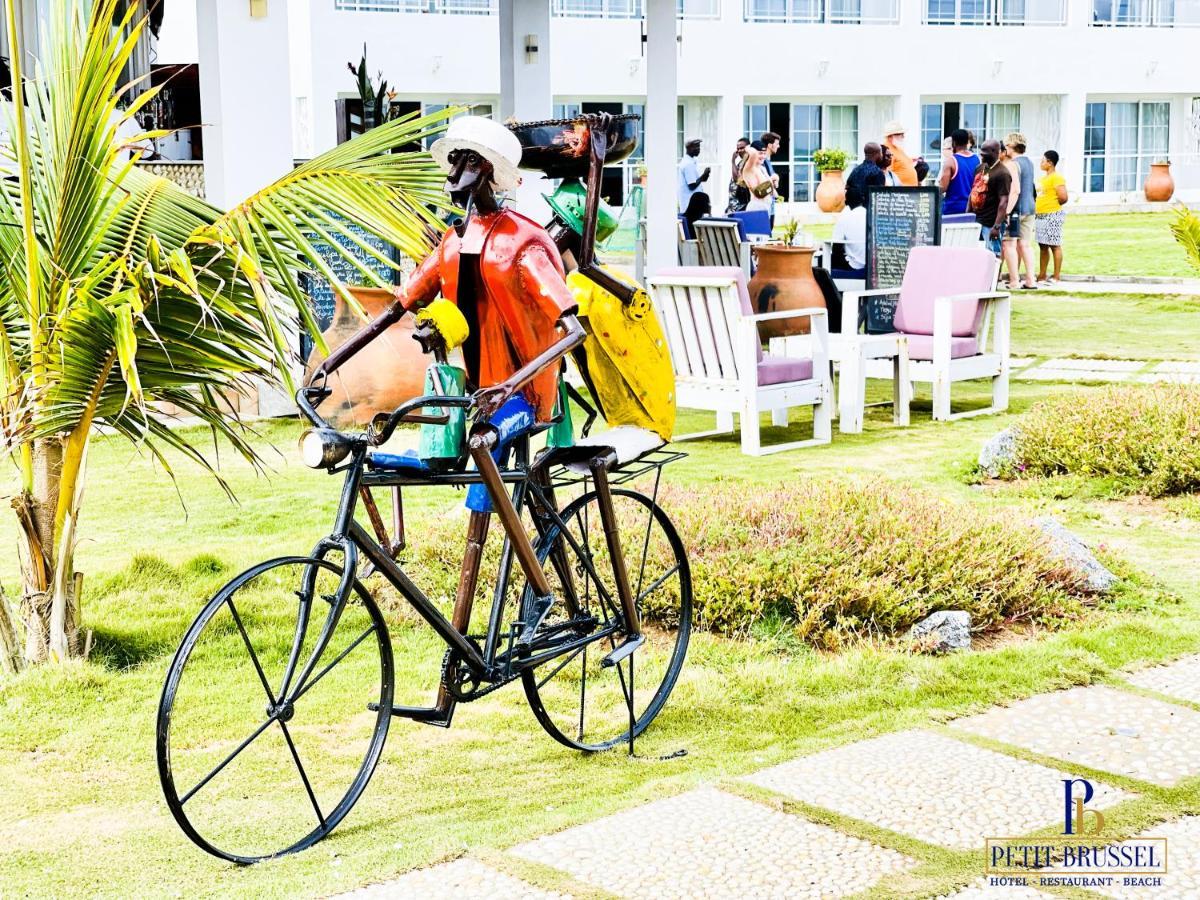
column 903, row 165
column 690, row 176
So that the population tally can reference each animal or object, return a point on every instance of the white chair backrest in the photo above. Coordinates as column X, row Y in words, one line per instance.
column 699, row 317
column 960, row 234
column 719, row 243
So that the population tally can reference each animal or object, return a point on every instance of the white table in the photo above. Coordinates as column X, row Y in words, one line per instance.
column 854, row 354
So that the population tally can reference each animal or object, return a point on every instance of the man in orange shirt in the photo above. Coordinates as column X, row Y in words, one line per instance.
column 903, row 165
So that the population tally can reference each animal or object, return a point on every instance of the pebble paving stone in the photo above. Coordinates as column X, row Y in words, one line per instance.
column 929, row 786
column 710, row 844
column 1182, row 881
column 1106, row 729
column 1097, row 365
column 1175, row 365
column 1179, row 679
column 981, row 890
column 1169, row 378
column 462, row 879
column 1046, row 373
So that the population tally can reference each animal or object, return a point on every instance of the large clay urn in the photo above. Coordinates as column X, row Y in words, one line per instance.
column 384, row 374
column 831, row 192
column 1159, row 184
column 784, row 280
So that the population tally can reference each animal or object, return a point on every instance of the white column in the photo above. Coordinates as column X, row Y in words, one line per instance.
column 908, row 111
column 662, row 62
column 525, row 92
column 731, row 122
column 245, row 97
column 1070, row 149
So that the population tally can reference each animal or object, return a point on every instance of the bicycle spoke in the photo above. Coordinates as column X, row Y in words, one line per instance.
column 242, row 746
column 562, row 665
column 308, row 685
column 253, row 656
column 645, row 550
column 657, row 584
column 287, row 736
column 582, row 693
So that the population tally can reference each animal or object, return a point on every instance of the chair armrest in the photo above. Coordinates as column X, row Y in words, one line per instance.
column 786, row 314
column 963, row 298
column 873, row 292
column 852, row 305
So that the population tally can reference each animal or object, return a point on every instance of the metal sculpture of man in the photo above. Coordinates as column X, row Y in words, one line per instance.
column 506, row 276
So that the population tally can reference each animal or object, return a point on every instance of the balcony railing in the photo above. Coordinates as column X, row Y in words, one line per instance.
column 632, row 9
column 996, row 12
column 447, row 7
column 1146, row 13
column 823, row 12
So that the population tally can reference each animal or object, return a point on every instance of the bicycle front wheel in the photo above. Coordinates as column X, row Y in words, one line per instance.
column 264, row 744
column 576, row 699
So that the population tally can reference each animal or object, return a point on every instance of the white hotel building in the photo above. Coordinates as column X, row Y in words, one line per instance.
column 1113, row 85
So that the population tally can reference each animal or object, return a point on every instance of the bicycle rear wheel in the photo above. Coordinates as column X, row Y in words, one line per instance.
column 260, row 753
column 579, row 702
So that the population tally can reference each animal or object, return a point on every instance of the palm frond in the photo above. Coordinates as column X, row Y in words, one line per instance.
column 1186, row 228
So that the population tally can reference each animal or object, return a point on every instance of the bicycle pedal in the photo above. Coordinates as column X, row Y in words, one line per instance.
column 623, row 650
column 537, row 614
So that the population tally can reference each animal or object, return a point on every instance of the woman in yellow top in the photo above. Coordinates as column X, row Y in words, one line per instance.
column 1051, row 195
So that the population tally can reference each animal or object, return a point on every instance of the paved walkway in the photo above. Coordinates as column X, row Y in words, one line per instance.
column 1106, row 370
column 996, row 774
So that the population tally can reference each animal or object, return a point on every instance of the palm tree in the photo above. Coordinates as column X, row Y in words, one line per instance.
column 1186, row 229
column 118, row 290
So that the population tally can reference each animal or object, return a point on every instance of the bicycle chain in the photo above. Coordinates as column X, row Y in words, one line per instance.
column 450, row 657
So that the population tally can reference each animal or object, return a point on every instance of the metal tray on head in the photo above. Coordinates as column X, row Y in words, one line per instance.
column 559, row 148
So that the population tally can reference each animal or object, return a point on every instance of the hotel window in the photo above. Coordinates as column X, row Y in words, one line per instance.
column 803, row 128
column 1121, row 140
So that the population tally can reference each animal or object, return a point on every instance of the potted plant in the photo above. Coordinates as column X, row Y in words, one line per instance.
column 784, row 280
column 1159, row 186
column 641, row 174
column 831, row 192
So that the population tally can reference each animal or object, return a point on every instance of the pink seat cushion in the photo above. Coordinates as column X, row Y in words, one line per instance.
column 734, row 272
column 920, row 346
column 934, row 272
column 781, row 369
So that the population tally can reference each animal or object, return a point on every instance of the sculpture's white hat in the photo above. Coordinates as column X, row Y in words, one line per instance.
column 489, row 139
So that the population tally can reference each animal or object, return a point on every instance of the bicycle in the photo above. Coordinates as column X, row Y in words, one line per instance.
column 287, row 636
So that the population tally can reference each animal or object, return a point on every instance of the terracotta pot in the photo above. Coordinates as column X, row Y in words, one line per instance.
column 784, row 280
column 386, row 373
column 831, row 192
column 1159, row 184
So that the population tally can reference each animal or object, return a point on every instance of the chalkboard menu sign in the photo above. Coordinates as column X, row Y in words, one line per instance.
column 898, row 219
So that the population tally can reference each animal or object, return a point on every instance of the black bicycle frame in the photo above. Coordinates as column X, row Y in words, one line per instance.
column 351, row 539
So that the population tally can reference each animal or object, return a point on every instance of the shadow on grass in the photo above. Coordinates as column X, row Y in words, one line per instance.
column 140, row 610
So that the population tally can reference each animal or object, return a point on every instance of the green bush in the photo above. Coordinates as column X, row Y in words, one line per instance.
column 842, row 559
column 1146, row 436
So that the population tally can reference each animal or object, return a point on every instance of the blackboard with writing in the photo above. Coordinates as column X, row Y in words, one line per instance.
column 898, row 219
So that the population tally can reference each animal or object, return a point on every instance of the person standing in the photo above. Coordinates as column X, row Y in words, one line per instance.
column 1012, row 232
column 738, row 198
column 887, row 165
column 756, row 180
column 770, row 146
column 1026, row 203
column 1051, row 196
column 690, row 176
column 992, row 210
column 866, row 172
column 903, row 166
column 958, row 173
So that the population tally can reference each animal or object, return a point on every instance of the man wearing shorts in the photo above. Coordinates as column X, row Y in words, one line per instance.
column 993, row 218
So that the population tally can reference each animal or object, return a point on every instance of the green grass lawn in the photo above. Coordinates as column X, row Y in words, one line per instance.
column 1114, row 326
column 77, row 742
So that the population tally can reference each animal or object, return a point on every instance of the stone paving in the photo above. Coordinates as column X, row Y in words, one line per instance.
column 952, row 793
column 708, row 843
column 939, row 789
column 1179, row 679
column 462, row 879
column 1101, row 727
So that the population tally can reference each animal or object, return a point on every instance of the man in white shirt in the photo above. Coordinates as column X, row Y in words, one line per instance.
column 690, row 176
column 850, row 230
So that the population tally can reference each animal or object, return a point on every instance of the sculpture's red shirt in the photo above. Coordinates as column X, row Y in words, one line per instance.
column 507, row 277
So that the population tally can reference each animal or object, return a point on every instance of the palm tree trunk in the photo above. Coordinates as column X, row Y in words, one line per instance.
column 49, row 601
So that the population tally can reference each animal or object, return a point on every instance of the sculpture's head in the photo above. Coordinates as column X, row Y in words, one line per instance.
column 480, row 156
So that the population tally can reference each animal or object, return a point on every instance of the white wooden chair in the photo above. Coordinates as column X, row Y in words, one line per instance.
column 719, row 362
column 955, row 326
column 720, row 244
column 961, row 234
column 689, row 250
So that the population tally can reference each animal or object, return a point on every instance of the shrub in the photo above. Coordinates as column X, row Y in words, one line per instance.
column 840, row 558
column 1147, row 436
column 830, row 159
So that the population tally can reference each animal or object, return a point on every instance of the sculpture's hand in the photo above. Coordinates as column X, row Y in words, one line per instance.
column 487, row 401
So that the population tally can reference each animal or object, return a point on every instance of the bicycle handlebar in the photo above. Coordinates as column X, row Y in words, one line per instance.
column 384, row 424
